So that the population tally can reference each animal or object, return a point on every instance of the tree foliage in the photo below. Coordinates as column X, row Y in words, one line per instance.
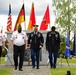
column 65, row 11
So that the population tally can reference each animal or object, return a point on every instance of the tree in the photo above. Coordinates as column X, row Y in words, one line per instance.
column 62, row 45
column 65, row 11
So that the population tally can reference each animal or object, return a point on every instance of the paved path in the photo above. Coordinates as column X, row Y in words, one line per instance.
column 44, row 70
column 27, row 70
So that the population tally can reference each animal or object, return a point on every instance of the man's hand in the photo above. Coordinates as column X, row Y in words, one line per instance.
column 12, row 48
column 40, row 46
column 46, row 48
column 28, row 47
column 3, row 49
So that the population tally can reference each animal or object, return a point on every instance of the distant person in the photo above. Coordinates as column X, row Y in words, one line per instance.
column 53, row 46
column 2, row 44
column 19, row 43
column 36, row 41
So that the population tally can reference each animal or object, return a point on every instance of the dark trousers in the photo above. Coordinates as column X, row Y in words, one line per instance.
column 19, row 51
column 0, row 51
column 35, row 56
column 52, row 58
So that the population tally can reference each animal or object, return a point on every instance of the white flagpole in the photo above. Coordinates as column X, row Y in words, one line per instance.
column 25, row 19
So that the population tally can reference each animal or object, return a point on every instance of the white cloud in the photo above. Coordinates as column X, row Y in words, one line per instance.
column 40, row 7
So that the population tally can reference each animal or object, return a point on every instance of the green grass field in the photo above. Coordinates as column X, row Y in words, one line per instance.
column 63, row 71
column 2, row 60
column 6, row 71
column 72, row 61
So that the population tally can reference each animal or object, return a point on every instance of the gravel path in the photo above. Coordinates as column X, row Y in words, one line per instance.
column 27, row 70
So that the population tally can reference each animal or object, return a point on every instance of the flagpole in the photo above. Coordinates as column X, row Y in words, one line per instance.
column 23, row 1
column 24, row 25
column 49, row 26
column 49, row 16
column 25, row 19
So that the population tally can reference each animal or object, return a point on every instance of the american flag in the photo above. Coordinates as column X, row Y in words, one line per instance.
column 9, row 20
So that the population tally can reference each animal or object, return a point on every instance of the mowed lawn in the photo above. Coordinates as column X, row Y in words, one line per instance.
column 63, row 71
column 5, row 70
column 72, row 61
column 2, row 60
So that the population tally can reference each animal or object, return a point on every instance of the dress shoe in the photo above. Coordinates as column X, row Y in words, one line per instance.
column 54, row 67
column 33, row 67
column 37, row 67
column 15, row 68
column 20, row 69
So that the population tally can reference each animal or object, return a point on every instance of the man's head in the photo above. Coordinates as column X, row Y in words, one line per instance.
column 35, row 28
column 53, row 28
column 19, row 28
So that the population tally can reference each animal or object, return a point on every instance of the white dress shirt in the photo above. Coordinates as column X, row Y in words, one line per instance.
column 2, row 39
column 19, row 38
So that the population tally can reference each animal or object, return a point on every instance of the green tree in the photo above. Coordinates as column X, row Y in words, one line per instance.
column 65, row 11
column 62, row 45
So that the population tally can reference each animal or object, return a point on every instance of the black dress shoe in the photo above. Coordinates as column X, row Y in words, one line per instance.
column 20, row 69
column 15, row 68
column 54, row 67
column 37, row 67
column 33, row 67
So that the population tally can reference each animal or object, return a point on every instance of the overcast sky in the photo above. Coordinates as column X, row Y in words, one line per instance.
column 39, row 5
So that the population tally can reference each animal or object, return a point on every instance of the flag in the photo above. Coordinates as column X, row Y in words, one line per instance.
column 32, row 20
column 9, row 20
column 46, row 20
column 74, row 44
column 21, row 18
column 1, row 30
column 67, row 46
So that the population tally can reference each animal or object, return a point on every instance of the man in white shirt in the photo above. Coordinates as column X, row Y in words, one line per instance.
column 2, row 43
column 19, row 43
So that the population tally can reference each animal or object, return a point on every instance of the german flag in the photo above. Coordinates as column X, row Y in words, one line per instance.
column 21, row 18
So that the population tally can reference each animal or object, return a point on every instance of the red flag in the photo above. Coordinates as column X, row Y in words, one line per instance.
column 21, row 17
column 45, row 20
column 32, row 18
column 1, row 30
column 9, row 22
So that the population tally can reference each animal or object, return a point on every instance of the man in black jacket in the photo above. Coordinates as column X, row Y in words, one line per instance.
column 53, row 45
column 36, row 41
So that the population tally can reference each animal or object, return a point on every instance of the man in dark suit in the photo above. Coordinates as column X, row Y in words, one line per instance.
column 36, row 41
column 53, row 45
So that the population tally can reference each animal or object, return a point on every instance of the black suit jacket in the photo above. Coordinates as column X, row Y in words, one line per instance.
column 35, row 40
column 53, row 41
